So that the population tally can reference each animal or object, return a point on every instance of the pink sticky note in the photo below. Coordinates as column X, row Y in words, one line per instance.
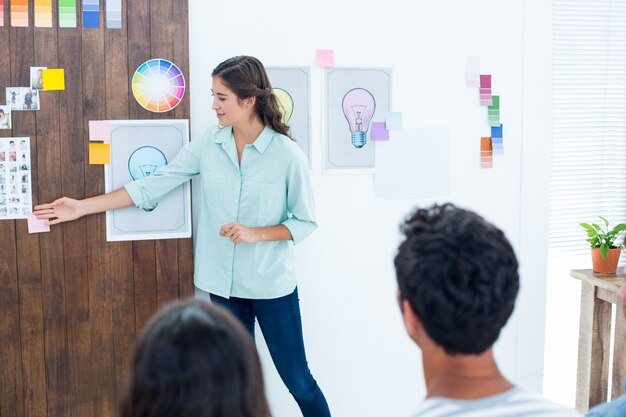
column 36, row 225
column 99, row 130
column 485, row 81
column 379, row 131
column 325, row 58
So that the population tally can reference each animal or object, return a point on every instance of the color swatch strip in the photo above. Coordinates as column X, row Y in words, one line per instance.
column 486, row 153
column 19, row 13
column 91, row 14
column 496, row 140
column 43, row 13
column 114, row 14
column 485, row 90
column 493, row 111
column 67, row 13
column 1, row 12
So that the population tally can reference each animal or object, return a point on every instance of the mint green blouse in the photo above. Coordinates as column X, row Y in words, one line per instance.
column 272, row 186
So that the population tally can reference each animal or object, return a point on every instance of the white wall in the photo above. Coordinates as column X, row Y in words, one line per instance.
column 356, row 344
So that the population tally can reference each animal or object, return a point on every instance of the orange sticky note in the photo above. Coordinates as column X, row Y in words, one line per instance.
column 53, row 79
column 325, row 58
column 99, row 153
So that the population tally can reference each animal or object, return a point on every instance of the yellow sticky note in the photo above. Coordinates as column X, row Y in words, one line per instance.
column 54, row 79
column 99, row 153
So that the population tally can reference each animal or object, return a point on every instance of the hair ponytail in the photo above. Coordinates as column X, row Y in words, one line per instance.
column 246, row 77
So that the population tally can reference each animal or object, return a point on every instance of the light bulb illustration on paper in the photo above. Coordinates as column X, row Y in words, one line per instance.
column 358, row 107
column 143, row 162
column 285, row 103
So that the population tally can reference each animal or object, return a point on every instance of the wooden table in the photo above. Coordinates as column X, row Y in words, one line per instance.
column 598, row 293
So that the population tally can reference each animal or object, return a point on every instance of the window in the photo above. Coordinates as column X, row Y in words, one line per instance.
column 588, row 166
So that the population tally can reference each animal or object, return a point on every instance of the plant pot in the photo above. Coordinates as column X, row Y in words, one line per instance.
column 607, row 265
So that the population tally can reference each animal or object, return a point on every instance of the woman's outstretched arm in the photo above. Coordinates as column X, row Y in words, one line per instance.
column 66, row 209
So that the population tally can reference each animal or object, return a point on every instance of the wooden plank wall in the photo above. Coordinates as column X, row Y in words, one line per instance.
column 71, row 304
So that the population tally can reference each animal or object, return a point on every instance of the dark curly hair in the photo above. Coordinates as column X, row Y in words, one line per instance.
column 246, row 77
column 459, row 273
column 195, row 359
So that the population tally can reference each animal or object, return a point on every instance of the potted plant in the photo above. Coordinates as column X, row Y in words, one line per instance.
column 604, row 252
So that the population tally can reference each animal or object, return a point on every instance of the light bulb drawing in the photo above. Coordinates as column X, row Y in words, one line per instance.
column 143, row 162
column 358, row 107
column 285, row 103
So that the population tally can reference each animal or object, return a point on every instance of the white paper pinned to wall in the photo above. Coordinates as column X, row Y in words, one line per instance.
column 413, row 163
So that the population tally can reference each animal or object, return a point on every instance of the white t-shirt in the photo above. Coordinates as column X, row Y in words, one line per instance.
column 515, row 402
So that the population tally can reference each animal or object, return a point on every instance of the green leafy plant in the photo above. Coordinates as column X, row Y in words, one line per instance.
column 603, row 238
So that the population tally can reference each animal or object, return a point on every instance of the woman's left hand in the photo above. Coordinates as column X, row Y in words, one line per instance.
column 239, row 233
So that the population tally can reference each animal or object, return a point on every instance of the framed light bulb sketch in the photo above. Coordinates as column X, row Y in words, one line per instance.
column 355, row 97
column 291, row 86
column 138, row 148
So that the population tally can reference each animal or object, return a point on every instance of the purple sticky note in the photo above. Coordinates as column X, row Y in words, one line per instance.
column 36, row 225
column 379, row 131
column 325, row 58
column 99, row 130
column 485, row 81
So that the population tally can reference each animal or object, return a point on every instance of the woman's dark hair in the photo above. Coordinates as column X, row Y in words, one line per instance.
column 194, row 359
column 246, row 77
column 459, row 274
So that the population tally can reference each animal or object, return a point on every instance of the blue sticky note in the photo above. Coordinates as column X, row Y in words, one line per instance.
column 394, row 120
column 379, row 131
column 496, row 131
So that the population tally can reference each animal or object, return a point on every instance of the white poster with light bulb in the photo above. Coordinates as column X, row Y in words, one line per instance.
column 138, row 148
column 291, row 87
column 355, row 97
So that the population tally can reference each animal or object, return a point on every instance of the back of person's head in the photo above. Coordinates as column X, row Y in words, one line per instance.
column 246, row 77
column 459, row 274
column 194, row 359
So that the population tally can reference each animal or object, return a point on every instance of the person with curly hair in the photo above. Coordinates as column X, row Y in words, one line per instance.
column 194, row 359
column 457, row 283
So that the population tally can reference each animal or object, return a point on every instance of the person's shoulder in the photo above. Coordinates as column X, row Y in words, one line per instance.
column 210, row 135
column 615, row 408
column 289, row 147
column 514, row 402
column 527, row 403
column 213, row 132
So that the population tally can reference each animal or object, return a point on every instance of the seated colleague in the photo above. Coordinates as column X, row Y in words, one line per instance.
column 617, row 407
column 457, row 278
column 194, row 359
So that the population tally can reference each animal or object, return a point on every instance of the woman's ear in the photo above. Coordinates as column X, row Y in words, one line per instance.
column 250, row 101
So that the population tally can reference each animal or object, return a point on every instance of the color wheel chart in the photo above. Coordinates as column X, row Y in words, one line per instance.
column 158, row 85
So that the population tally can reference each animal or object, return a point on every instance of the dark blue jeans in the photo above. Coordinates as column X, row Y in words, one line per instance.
column 279, row 320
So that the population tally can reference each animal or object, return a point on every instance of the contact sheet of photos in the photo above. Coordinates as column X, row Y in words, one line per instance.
column 15, row 178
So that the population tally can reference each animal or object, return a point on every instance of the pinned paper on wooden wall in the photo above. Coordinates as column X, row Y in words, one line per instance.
column 53, row 79
column 67, row 13
column 91, row 14
column 43, row 13
column 19, row 13
column 99, row 154
column 114, row 14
